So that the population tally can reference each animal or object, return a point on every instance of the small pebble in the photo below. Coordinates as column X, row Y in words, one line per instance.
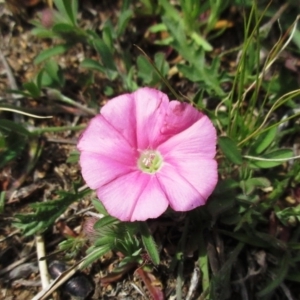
column 23, row 271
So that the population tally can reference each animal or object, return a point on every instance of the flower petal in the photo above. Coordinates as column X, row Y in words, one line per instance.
column 182, row 195
column 101, row 138
column 98, row 170
column 151, row 106
column 120, row 114
column 201, row 173
column 198, row 139
column 133, row 197
column 179, row 117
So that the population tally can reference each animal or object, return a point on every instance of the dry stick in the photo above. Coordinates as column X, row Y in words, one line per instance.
column 50, row 3
column 41, row 255
column 40, row 250
column 55, row 108
column 165, row 81
column 287, row 291
column 194, row 283
column 82, row 188
column 24, row 113
column 24, row 259
column 276, row 16
column 25, row 282
column 61, row 141
column 10, row 235
column 138, row 289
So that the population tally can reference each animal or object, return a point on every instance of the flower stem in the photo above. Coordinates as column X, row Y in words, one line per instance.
column 180, row 259
column 57, row 95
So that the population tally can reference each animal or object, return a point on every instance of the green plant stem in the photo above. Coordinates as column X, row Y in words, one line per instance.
column 277, row 104
column 149, row 242
column 203, row 263
column 58, row 129
column 271, row 159
column 78, row 105
column 180, row 259
column 179, row 279
column 57, row 95
column 166, row 82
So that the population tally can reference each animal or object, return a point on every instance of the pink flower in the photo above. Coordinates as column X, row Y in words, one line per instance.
column 144, row 153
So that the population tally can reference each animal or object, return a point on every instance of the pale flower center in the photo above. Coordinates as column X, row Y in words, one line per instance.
column 150, row 161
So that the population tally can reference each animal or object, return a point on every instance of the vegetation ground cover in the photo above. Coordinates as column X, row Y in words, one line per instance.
column 237, row 61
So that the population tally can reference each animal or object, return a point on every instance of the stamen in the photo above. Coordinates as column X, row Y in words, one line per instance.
column 150, row 161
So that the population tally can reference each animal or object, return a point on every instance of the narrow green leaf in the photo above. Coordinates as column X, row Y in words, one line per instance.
column 145, row 69
column 157, row 28
column 45, row 213
column 54, row 71
column 246, row 238
column 95, row 254
column 123, row 21
column 200, row 73
column 8, row 126
column 46, row 54
column 108, row 34
column 199, row 40
column 68, row 9
column 105, row 240
column 32, row 88
column 161, row 63
column 293, row 277
column 220, row 283
column 14, row 138
column 180, row 42
column 74, row 11
column 105, row 53
column 203, row 262
column 105, row 221
column 2, row 201
column 288, row 214
column 61, row 8
column 250, row 184
column 225, row 186
column 99, row 206
column 106, row 58
column 92, row 64
column 73, row 157
column 149, row 243
column 264, row 141
column 63, row 28
column 268, row 163
column 170, row 11
column 271, row 240
column 278, row 277
column 43, row 33
column 230, row 150
column 39, row 79
column 44, row 79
